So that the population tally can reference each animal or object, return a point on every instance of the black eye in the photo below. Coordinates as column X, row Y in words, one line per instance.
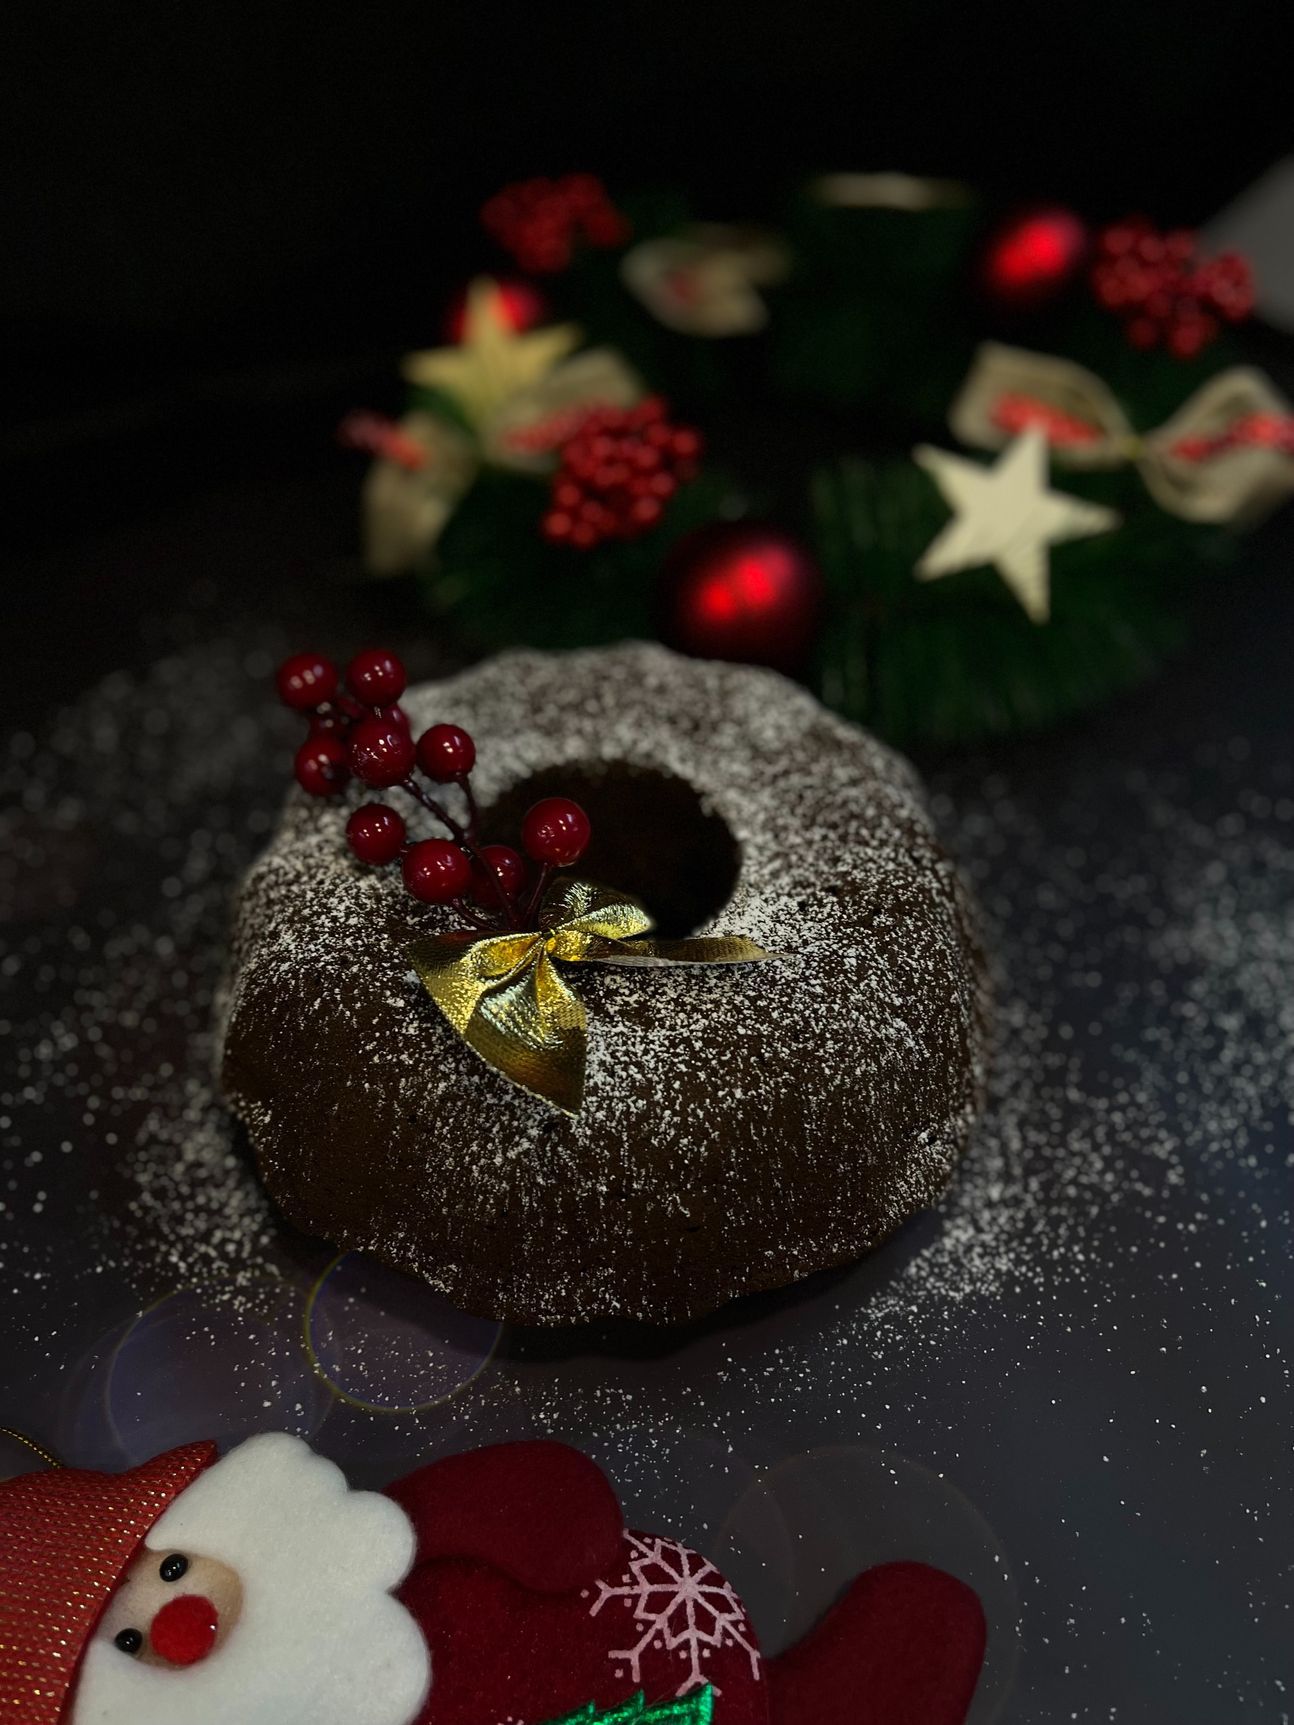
column 173, row 1567
column 129, row 1640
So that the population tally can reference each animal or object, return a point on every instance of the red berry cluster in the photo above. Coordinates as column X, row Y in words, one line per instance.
column 617, row 473
column 357, row 727
column 1164, row 291
column 541, row 221
column 1250, row 431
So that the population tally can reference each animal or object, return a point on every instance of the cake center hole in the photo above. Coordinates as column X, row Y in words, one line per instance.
column 652, row 837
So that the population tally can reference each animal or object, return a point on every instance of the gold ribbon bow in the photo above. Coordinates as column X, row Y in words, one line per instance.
column 506, row 997
column 1192, row 467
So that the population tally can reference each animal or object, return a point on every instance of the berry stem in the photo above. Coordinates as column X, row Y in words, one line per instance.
column 473, row 813
column 472, row 842
column 352, row 708
column 462, row 837
column 469, row 915
column 429, row 803
column 536, row 897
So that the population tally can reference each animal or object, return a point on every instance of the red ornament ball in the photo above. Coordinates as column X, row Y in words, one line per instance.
column 446, row 752
column 1032, row 258
column 520, row 303
column 376, row 834
column 320, row 766
column 435, row 871
column 742, row 591
column 381, row 752
column 556, row 832
column 376, row 677
column 305, row 681
column 508, row 868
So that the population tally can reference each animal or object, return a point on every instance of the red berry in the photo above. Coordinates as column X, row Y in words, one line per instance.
column 320, row 766
column 306, row 680
column 396, row 715
column 435, row 871
column 376, row 834
column 556, row 831
column 376, row 677
column 509, row 870
column 381, row 753
column 446, row 752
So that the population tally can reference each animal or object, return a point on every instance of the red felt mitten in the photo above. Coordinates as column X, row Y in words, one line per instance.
column 903, row 1646
column 502, row 1653
column 536, row 1603
column 539, row 1512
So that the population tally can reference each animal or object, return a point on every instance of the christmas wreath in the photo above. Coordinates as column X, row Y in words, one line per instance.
column 744, row 440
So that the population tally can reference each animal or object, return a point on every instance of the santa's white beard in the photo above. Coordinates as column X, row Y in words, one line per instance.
column 319, row 1639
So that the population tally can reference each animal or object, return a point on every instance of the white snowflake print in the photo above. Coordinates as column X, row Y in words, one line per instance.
column 682, row 1604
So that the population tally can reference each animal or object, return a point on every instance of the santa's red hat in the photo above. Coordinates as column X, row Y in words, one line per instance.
column 67, row 1538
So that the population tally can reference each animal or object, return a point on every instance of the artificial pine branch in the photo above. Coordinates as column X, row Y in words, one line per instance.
column 958, row 659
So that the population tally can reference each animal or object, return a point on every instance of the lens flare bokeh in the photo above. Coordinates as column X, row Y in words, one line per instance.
column 218, row 1361
column 388, row 1343
column 839, row 1511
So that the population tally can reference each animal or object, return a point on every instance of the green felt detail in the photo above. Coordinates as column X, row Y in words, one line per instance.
column 694, row 1709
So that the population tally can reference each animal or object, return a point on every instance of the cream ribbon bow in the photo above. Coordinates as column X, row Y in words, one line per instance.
column 1190, row 465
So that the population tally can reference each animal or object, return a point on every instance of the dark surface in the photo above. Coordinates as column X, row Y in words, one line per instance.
column 1069, row 1384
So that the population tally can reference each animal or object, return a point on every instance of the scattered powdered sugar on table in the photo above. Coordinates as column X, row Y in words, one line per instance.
column 1104, row 1271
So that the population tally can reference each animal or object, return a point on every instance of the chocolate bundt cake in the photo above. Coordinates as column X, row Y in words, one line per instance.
column 742, row 1126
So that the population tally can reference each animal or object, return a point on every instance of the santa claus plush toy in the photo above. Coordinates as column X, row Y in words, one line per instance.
column 498, row 1587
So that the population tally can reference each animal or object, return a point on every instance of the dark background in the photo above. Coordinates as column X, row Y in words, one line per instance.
column 212, row 213
column 222, row 223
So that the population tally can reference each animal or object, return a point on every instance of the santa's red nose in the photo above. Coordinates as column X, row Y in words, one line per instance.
column 184, row 1630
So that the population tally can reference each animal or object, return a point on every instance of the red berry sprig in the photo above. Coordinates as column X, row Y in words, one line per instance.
column 541, row 221
column 358, row 728
column 1164, row 291
column 617, row 473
